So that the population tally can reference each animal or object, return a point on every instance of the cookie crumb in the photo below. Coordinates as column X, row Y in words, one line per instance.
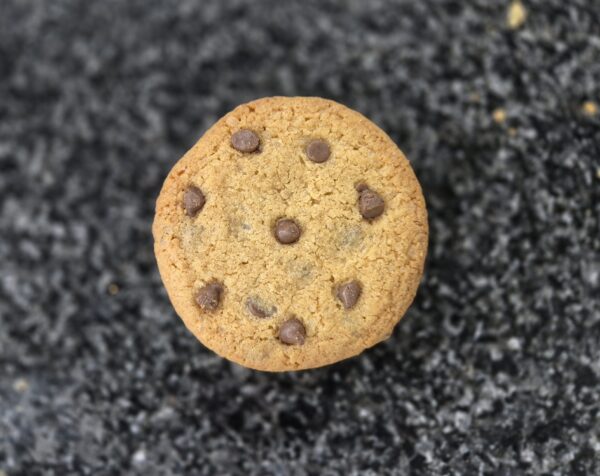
column 589, row 108
column 598, row 173
column 512, row 131
column 20, row 385
column 113, row 289
column 499, row 115
column 516, row 15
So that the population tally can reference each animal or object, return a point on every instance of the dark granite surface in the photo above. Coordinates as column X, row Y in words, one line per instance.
column 496, row 368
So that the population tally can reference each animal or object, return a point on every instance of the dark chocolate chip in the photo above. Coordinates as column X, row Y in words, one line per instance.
column 209, row 297
column 245, row 140
column 361, row 186
column 349, row 293
column 292, row 332
column 370, row 204
column 287, row 231
column 193, row 200
column 318, row 151
column 257, row 307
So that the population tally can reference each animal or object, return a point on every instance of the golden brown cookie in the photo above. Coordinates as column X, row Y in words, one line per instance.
column 292, row 235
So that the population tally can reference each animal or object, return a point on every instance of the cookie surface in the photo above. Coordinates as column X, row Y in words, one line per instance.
column 292, row 235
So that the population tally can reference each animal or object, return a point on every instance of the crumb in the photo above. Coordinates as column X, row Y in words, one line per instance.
column 589, row 108
column 113, row 289
column 516, row 15
column 499, row 115
column 512, row 131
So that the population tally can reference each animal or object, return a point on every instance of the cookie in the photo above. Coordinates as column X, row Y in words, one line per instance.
column 292, row 235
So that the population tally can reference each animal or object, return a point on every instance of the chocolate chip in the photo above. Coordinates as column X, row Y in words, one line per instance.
column 209, row 296
column 287, row 231
column 193, row 200
column 259, row 308
column 318, row 151
column 292, row 332
column 245, row 140
column 349, row 293
column 370, row 204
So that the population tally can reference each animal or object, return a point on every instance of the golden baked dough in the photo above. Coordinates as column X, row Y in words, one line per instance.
column 226, row 244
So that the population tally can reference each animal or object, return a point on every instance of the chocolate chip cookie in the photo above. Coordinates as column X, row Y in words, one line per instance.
column 292, row 235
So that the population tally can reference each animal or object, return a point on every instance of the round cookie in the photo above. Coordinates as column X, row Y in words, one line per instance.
column 292, row 235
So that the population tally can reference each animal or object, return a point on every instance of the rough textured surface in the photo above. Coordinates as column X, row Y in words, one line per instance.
column 495, row 369
column 232, row 240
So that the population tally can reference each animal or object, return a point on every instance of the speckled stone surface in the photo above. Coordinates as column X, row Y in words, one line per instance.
column 495, row 370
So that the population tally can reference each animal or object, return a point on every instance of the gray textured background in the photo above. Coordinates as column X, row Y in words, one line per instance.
column 496, row 368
